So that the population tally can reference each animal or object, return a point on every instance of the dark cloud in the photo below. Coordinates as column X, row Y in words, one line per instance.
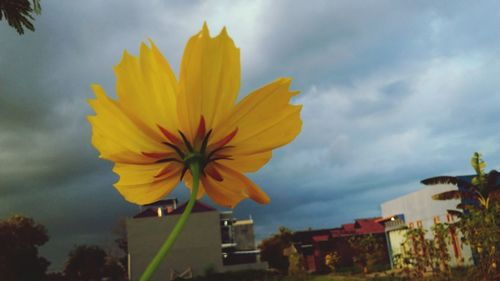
column 392, row 93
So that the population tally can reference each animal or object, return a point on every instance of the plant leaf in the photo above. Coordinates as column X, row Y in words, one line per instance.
column 447, row 180
column 454, row 194
column 455, row 213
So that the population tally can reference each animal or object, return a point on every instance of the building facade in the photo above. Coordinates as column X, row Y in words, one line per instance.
column 314, row 245
column 419, row 210
column 210, row 241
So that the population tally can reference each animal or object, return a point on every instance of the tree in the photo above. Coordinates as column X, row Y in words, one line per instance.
column 19, row 13
column 56, row 276
column 92, row 263
column 368, row 250
column 415, row 259
column 295, row 264
column 271, row 249
column 120, row 231
column 20, row 238
column 331, row 260
column 480, row 216
column 438, row 250
column 85, row 263
column 477, row 194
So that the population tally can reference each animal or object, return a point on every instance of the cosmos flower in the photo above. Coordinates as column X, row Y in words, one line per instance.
column 158, row 124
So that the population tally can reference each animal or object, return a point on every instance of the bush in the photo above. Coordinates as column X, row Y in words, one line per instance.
column 243, row 275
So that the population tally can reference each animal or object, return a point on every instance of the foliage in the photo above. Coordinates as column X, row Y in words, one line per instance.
column 242, row 275
column 19, row 13
column 56, row 276
column 368, row 250
column 331, row 260
column 479, row 221
column 271, row 249
column 477, row 194
column 87, row 263
column 438, row 250
column 296, row 265
column 120, row 231
column 20, row 238
column 481, row 230
column 414, row 260
column 422, row 256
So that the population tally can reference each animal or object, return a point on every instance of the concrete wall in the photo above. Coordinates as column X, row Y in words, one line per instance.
column 197, row 247
column 237, row 267
column 396, row 238
column 243, row 235
column 419, row 206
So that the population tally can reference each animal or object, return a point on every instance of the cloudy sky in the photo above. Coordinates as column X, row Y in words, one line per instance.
column 393, row 92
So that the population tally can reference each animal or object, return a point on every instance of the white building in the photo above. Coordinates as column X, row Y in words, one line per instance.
column 210, row 241
column 418, row 209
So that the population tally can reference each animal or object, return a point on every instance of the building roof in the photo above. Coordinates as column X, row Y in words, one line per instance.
column 359, row 227
column 146, row 214
column 368, row 226
column 153, row 212
column 162, row 202
column 400, row 217
column 348, row 227
column 197, row 208
column 306, row 236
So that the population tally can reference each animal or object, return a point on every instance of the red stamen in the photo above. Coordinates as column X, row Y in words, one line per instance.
column 171, row 137
column 212, row 171
column 168, row 169
column 225, row 140
column 201, row 129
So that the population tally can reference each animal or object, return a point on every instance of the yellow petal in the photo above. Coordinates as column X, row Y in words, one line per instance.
column 132, row 174
column 115, row 135
column 148, row 192
column 209, row 80
column 146, row 89
column 265, row 120
column 222, row 197
column 188, row 182
column 234, row 188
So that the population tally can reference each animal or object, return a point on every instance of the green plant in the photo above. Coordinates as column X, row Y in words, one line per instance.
column 438, row 250
column 415, row 260
column 368, row 250
column 19, row 13
column 331, row 260
column 480, row 216
column 296, row 268
column 271, row 249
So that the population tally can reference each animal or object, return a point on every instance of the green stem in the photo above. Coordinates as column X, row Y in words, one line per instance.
column 153, row 265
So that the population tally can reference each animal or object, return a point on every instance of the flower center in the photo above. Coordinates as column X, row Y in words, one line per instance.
column 186, row 152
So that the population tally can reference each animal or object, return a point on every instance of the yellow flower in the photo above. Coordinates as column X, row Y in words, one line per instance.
column 158, row 124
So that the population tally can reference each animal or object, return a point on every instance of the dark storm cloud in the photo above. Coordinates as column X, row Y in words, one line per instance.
column 392, row 93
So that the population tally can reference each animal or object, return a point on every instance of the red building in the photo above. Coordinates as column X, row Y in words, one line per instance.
column 315, row 244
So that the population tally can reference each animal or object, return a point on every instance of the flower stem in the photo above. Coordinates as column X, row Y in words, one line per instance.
column 153, row 265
